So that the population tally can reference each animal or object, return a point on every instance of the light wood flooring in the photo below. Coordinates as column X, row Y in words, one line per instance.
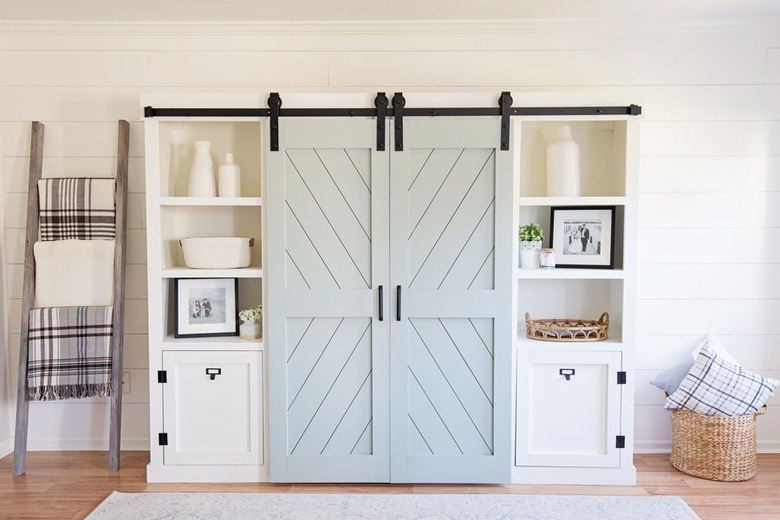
column 69, row 485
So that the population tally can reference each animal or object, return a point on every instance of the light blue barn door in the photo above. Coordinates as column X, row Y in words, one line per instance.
column 422, row 394
column 327, row 209
column 451, row 244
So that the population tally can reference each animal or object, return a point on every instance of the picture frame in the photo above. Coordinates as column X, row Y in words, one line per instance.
column 205, row 307
column 583, row 236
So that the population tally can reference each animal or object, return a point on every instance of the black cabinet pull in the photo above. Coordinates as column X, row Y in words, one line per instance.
column 213, row 373
column 381, row 303
column 397, row 303
column 567, row 373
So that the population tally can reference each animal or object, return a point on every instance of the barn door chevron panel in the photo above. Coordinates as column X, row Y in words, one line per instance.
column 451, row 239
column 327, row 211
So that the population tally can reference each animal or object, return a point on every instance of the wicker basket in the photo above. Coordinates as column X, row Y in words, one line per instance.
column 567, row 329
column 715, row 448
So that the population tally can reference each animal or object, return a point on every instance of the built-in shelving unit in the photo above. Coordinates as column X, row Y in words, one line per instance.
column 203, row 428
column 591, row 435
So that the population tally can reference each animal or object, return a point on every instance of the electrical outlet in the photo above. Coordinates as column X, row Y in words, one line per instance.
column 125, row 382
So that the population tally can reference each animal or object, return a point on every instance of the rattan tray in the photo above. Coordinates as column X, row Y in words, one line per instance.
column 566, row 329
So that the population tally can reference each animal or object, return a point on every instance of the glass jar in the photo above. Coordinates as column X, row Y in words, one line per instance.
column 547, row 258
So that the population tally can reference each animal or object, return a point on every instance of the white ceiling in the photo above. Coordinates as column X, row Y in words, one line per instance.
column 374, row 10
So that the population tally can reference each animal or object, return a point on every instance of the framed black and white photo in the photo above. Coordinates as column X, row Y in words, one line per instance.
column 206, row 307
column 583, row 236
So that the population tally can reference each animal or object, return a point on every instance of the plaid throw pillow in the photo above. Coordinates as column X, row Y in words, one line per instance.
column 715, row 386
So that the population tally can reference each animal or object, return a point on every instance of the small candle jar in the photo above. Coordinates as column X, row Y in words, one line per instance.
column 547, row 258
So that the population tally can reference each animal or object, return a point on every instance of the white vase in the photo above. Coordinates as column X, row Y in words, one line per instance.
column 563, row 165
column 202, row 171
column 529, row 254
column 229, row 178
column 249, row 330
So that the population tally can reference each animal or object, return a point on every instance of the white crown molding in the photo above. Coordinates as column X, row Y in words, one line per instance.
column 583, row 25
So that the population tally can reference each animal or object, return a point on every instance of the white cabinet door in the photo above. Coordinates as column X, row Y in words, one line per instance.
column 568, row 409
column 212, row 407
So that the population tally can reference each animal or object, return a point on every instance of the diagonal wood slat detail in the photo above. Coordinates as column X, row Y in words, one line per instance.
column 451, row 215
column 457, row 387
column 329, row 386
column 328, row 218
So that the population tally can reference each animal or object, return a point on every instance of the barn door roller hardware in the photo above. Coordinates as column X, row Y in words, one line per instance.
column 381, row 111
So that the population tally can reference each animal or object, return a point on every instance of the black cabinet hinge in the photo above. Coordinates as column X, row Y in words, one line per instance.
column 162, row 439
column 621, row 378
column 162, row 376
column 620, row 441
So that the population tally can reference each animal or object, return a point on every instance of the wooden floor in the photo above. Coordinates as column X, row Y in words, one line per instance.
column 68, row 485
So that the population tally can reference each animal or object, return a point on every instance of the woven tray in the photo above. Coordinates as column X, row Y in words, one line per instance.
column 715, row 448
column 566, row 329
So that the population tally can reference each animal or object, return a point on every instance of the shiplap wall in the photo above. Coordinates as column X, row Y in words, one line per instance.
column 709, row 223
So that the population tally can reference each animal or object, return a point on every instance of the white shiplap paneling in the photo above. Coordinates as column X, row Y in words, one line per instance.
column 709, row 146
column 658, row 351
column 738, row 281
column 707, row 245
column 702, row 174
column 552, row 68
column 186, row 68
column 709, row 138
column 756, row 209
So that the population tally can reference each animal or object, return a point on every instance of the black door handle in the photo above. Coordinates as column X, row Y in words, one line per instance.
column 397, row 303
column 381, row 303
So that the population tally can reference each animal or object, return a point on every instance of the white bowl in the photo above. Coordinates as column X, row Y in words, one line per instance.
column 216, row 252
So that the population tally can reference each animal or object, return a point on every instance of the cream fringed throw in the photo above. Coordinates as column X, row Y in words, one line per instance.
column 74, row 272
column 76, row 208
column 69, row 353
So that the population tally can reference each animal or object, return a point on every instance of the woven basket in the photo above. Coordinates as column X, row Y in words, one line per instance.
column 715, row 448
column 216, row 252
column 565, row 329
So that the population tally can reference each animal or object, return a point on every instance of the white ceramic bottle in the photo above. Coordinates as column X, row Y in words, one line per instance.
column 229, row 178
column 563, row 165
column 202, row 171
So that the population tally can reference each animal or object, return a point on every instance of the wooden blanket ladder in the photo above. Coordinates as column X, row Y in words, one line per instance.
column 28, row 295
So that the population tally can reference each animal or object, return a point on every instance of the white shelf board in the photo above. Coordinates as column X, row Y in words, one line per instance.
column 572, row 201
column 211, row 201
column 609, row 344
column 570, row 274
column 186, row 272
column 212, row 343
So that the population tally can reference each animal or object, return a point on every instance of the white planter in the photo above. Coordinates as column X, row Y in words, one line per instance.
column 529, row 254
column 249, row 330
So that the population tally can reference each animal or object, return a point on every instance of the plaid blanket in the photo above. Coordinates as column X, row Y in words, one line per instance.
column 80, row 208
column 69, row 352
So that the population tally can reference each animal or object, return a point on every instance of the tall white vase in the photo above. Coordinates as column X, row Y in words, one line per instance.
column 202, row 171
column 229, row 178
column 563, row 165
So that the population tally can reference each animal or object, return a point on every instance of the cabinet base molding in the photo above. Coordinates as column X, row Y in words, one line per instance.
column 187, row 474
column 590, row 476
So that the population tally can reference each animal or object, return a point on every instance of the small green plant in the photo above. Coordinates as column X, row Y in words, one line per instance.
column 530, row 233
column 251, row 314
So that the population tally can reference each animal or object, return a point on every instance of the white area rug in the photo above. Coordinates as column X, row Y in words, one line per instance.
column 293, row 506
